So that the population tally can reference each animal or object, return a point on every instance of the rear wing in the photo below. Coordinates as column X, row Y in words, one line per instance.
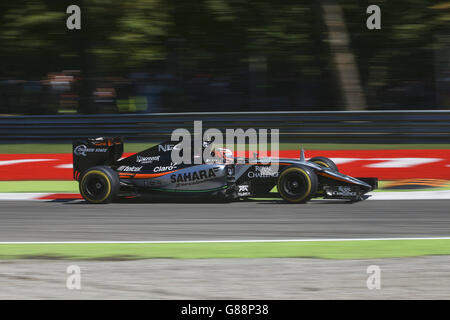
column 92, row 152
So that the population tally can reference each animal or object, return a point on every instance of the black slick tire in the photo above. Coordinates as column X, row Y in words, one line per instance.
column 99, row 185
column 297, row 184
column 325, row 162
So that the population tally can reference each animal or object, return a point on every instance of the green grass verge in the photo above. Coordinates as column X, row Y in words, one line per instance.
column 136, row 147
column 368, row 249
column 72, row 187
column 26, row 148
column 39, row 186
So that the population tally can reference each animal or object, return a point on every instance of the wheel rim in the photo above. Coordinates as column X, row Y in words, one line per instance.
column 96, row 187
column 294, row 185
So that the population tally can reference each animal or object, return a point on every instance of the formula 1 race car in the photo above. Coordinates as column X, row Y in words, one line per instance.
column 104, row 176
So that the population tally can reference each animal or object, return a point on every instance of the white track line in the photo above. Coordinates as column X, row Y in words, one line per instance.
column 18, row 161
column 221, row 241
column 22, row 196
column 411, row 195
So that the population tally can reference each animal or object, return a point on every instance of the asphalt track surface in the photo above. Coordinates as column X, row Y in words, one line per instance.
column 79, row 221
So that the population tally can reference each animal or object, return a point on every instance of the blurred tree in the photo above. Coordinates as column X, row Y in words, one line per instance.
column 115, row 38
column 259, row 40
column 31, row 35
column 118, row 38
column 268, row 53
column 344, row 58
column 399, row 57
column 127, row 35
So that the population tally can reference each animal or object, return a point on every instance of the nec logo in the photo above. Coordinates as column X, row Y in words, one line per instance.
column 165, row 148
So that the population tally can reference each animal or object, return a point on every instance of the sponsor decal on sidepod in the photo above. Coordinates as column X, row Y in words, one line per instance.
column 145, row 160
column 193, row 177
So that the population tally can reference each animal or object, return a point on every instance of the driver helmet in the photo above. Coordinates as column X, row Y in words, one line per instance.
column 224, row 154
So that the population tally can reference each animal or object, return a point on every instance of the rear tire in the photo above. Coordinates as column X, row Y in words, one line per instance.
column 325, row 162
column 99, row 185
column 297, row 184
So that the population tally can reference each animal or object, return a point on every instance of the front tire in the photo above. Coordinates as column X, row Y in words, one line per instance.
column 297, row 184
column 325, row 162
column 99, row 185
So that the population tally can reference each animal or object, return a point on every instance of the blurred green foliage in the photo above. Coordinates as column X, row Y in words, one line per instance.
column 404, row 48
column 266, row 38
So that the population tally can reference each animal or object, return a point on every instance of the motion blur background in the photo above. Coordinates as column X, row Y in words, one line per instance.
column 376, row 102
column 146, row 56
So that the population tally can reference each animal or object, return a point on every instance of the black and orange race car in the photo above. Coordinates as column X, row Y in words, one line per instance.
column 104, row 176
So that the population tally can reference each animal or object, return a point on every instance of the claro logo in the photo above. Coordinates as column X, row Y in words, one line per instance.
column 165, row 168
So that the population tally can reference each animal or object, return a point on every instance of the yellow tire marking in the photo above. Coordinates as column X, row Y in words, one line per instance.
column 103, row 175
column 322, row 164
